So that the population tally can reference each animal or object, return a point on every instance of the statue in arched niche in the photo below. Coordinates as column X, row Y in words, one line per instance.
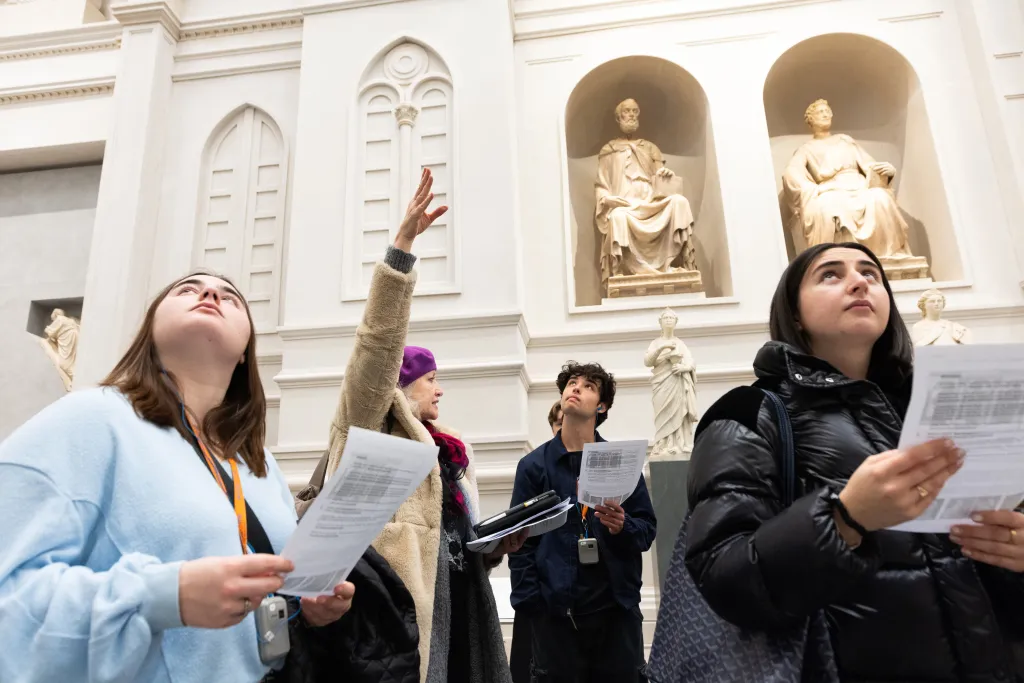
column 645, row 222
column 61, row 344
column 836, row 192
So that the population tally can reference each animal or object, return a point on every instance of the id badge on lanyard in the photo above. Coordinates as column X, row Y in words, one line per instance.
column 586, row 547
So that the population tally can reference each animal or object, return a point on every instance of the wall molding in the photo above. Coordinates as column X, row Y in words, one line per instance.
column 912, row 17
column 726, row 39
column 112, row 42
column 627, row 380
column 89, row 87
column 636, row 20
column 284, row 65
column 233, row 26
column 471, row 321
column 333, row 377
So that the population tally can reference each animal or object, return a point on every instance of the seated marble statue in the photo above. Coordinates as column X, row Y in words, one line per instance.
column 836, row 192
column 931, row 329
column 645, row 227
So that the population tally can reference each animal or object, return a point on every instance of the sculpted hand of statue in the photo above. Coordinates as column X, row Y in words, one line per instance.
column 608, row 203
column 417, row 219
column 665, row 172
column 884, row 168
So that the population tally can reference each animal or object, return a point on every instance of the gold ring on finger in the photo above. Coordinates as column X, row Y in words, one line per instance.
column 1013, row 535
column 922, row 491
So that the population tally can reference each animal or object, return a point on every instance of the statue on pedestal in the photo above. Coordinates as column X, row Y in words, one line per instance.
column 932, row 329
column 836, row 192
column 674, row 382
column 645, row 222
column 61, row 344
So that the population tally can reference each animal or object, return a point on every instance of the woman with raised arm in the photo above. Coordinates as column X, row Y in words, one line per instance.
column 140, row 519
column 393, row 388
column 933, row 608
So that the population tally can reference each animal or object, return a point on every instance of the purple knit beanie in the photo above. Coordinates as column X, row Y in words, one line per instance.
column 416, row 362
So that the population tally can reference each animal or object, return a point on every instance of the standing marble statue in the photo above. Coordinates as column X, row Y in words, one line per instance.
column 674, row 382
column 931, row 329
column 645, row 223
column 836, row 192
column 61, row 344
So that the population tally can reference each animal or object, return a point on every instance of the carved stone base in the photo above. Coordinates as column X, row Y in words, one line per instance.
column 676, row 282
column 909, row 268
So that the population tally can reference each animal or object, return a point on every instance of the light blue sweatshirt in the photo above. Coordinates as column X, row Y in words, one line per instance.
column 98, row 510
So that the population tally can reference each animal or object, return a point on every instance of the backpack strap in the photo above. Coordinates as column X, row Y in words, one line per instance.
column 787, row 465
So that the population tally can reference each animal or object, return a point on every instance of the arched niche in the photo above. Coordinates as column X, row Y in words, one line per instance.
column 674, row 116
column 876, row 98
column 241, row 224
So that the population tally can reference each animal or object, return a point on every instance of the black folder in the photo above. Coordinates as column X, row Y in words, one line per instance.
column 514, row 515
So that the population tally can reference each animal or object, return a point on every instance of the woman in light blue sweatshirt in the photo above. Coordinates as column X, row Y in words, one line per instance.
column 121, row 556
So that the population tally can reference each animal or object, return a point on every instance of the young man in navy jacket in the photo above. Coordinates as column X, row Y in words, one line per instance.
column 585, row 618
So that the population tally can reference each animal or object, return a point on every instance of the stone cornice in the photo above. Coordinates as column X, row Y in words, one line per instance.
column 93, row 38
column 53, row 91
column 216, row 28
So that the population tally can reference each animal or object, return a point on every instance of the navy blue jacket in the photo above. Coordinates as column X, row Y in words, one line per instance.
column 544, row 570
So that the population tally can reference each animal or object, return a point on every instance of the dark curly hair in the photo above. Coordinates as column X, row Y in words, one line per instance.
column 604, row 380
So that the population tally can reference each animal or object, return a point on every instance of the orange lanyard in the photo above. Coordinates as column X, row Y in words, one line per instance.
column 243, row 528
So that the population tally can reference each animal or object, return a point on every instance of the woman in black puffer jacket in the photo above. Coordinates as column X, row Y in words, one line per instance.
column 900, row 607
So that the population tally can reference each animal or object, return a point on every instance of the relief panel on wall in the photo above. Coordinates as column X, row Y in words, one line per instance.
column 404, row 123
column 241, row 224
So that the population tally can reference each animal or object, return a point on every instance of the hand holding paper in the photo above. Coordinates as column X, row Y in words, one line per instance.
column 610, row 471
column 377, row 473
column 973, row 395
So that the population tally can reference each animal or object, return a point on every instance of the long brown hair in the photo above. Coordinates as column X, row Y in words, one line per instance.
column 237, row 425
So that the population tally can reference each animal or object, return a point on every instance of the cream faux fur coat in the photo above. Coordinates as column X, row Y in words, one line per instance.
column 410, row 541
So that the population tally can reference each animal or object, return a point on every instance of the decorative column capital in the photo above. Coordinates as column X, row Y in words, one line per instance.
column 163, row 12
column 406, row 114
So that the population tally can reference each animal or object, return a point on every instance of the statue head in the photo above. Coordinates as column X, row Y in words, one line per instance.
column 932, row 303
column 818, row 115
column 627, row 115
column 668, row 320
column 57, row 313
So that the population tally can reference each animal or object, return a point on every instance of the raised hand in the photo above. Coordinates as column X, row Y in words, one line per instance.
column 217, row 592
column 417, row 219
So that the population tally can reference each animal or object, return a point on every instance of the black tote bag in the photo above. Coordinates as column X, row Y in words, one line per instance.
column 692, row 644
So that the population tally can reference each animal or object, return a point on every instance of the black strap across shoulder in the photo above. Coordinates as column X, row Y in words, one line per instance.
column 258, row 538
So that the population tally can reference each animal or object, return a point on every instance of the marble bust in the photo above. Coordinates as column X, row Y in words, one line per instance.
column 61, row 344
column 645, row 223
column 836, row 192
column 932, row 329
column 674, row 384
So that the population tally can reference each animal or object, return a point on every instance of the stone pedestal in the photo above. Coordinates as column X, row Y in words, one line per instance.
column 667, row 485
column 909, row 268
column 676, row 282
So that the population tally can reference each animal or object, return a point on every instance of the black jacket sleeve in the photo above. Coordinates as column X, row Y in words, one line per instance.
column 758, row 565
column 522, row 564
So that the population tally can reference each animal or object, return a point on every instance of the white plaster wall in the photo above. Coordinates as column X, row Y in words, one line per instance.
column 46, row 221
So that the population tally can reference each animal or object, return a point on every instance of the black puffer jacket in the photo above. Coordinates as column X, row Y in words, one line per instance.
column 902, row 607
column 377, row 641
